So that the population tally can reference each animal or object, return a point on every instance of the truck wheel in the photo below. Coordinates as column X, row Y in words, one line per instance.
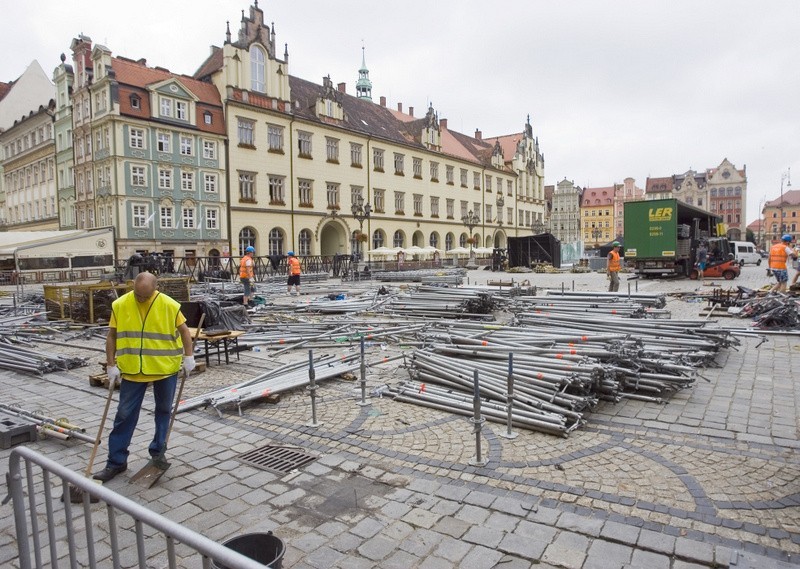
column 694, row 274
column 758, row 263
column 729, row 275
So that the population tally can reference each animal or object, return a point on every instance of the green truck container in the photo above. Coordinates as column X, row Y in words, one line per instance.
column 661, row 236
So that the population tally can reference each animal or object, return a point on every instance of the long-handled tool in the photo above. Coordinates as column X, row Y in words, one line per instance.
column 157, row 466
column 76, row 494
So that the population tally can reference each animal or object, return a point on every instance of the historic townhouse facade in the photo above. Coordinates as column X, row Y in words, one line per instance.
column 301, row 154
column 721, row 190
column 63, row 78
column 149, row 155
column 627, row 192
column 786, row 208
column 597, row 214
column 565, row 216
column 29, row 172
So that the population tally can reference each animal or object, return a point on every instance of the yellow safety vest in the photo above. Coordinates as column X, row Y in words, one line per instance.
column 153, row 346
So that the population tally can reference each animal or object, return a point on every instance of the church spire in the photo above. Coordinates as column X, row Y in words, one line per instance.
column 363, row 85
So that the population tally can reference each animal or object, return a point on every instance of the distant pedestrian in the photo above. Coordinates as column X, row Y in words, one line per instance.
column 294, row 274
column 614, row 265
column 778, row 255
column 702, row 259
column 247, row 273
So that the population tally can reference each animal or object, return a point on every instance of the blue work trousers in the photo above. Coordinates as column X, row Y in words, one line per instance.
column 131, row 395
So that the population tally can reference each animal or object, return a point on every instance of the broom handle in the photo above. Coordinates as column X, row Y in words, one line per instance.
column 183, row 381
column 100, row 430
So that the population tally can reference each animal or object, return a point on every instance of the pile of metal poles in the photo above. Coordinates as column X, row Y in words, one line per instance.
column 440, row 302
column 439, row 276
column 47, row 426
column 329, row 333
column 656, row 300
column 773, row 312
column 284, row 378
column 14, row 357
column 563, row 364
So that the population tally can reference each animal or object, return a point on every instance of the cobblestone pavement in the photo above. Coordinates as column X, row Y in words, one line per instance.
column 709, row 479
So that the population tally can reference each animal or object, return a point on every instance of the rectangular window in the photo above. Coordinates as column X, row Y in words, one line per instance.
column 181, row 110
column 398, row 164
column 209, row 150
column 187, row 181
column 355, row 193
column 140, row 216
column 332, row 149
column 247, row 187
column 304, row 144
column 212, row 216
column 417, row 165
column 463, row 177
column 434, row 171
column 136, row 139
column 304, row 188
column 166, row 217
column 187, row 216
column 464, row 208
column 246, row 130
column 355, row 155
column 137, row 176
column 186, row 145
column 451, row 204
column 378, row 200
column 333, row 195
column 434, row 206
column 399, row 203
column 510, row 215
column 165, row 179
column 489, row 184
column 418, row 204
column 488, row 213
column 275, row 138
column 377, row 159
column 509, row 188
column 163, row 144
column 166, row 107
column 476, row 180
column 210, row 183
column 276, row 190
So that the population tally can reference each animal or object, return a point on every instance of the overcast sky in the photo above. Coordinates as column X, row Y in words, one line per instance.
column 614, row 88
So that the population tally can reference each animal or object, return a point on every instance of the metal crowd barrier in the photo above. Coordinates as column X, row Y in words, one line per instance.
column 61, row 519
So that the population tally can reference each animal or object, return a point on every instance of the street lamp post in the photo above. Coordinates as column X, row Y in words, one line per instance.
column 596, row 234
column 360, row 213
column 471, row 220
column 786, row 176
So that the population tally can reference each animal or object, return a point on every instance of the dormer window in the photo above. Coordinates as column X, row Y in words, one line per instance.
column 136, row 102
column 207, row 117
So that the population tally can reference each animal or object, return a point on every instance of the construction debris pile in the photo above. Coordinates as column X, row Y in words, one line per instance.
column 564, row 363
column 441, row 302
column 774, row 312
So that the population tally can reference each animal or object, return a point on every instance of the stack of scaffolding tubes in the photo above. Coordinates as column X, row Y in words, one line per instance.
column 47, row 426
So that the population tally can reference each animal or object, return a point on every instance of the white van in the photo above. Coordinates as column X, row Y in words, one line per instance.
column 745, row 252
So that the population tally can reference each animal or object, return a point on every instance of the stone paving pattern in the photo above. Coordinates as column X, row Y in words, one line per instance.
column 708, row 479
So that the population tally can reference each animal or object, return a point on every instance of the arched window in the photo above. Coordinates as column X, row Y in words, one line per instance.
column 247, row 238
column 462, row 241
column 257, row 81
column 399, row 239
column 304, row 242
column 448, row 241
column 434, row 240
column 276, row 242
column 377, row 239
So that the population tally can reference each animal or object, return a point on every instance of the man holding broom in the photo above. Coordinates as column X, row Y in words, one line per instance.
column 148, row 342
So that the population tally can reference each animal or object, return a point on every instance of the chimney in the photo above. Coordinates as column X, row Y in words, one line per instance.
column 342, row 87
column 478, row 134
column 411, row 111
column 399, row 107
column 383, row 101
column 443, row 124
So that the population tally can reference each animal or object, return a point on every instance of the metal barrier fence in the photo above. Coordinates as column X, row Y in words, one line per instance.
column 60, row 523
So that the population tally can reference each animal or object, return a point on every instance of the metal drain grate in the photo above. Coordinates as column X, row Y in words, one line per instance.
column 277, row 459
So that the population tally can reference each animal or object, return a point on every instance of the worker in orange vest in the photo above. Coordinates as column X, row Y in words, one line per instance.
column 294, row 274
column 614, row 266
column 247, row 273
column 778, row 255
